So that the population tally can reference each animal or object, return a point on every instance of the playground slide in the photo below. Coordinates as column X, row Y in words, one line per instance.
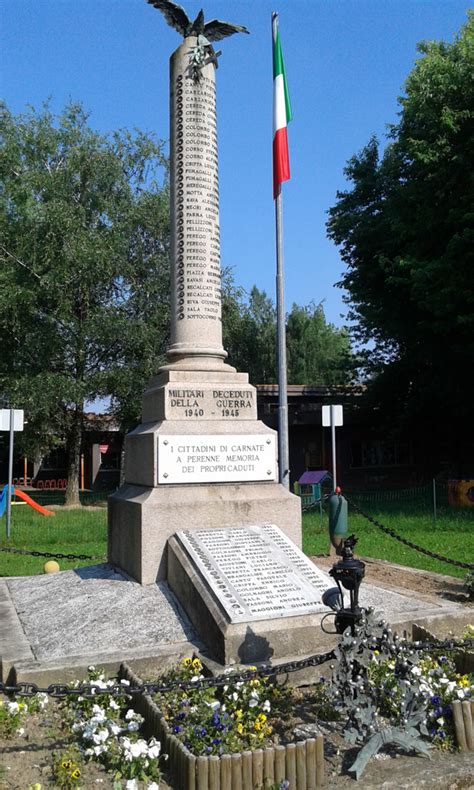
column 29, row 501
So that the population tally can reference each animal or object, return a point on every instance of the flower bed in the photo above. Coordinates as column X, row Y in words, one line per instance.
column 85, row 739
column 223, row 741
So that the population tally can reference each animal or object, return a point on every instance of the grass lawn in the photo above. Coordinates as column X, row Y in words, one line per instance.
column 70, row 531
column 452, row 535
column 84, row 531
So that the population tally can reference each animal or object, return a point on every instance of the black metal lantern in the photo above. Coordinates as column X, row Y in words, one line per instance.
column 348, row 573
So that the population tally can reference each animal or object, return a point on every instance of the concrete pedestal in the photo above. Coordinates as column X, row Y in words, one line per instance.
column 141, row 519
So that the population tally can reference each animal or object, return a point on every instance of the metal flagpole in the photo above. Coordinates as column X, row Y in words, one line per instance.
column 283, row 453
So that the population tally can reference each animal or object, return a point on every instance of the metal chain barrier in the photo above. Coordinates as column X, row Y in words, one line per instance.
column 89, row 690
column 54, row 555
column 388, row 531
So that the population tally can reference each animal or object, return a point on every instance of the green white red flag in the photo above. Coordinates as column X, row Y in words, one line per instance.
column 281, row 115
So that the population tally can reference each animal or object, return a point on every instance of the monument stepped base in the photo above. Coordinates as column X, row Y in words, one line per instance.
column 142, row 519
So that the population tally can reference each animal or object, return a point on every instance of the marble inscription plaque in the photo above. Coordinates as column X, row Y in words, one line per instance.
column 256, row 572
column 223, row 458
column 210, row 402
column 196, row 200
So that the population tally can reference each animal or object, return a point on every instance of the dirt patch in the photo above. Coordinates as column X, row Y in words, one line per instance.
column 387, row 574
column 28, row 759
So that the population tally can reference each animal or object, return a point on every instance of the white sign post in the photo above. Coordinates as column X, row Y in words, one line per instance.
column 332, row 416
column 10, row 420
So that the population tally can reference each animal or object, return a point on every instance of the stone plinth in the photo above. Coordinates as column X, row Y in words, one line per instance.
column 142, row 519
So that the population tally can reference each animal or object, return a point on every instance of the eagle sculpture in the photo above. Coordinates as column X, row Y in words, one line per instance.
column 176, row 16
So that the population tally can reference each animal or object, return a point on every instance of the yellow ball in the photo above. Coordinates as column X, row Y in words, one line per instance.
column 51, row 566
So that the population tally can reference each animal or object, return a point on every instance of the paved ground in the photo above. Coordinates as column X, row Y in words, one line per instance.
column 64, row 621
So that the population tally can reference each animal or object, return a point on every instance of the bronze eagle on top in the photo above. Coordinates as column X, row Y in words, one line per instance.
column 176, row 16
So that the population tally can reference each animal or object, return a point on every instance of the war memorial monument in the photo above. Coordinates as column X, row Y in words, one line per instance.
column 201, row 506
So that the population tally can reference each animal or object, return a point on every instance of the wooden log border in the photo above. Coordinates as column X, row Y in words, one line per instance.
column 463, row 710
column 463, row 716
column 301, row 763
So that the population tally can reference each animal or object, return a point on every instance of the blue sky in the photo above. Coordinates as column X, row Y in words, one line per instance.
column 346, row 62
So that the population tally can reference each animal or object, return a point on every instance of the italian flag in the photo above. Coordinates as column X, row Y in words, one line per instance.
column 281, row 115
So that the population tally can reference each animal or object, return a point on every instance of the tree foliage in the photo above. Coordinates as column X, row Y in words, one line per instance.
column 317, row 352
column 84, row 250
column 406, row 233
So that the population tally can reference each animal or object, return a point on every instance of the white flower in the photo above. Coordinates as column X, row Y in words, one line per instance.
column 42, row 700
column 153, row 786
column 99, row 750
column 98, row 684
column 99, row 713
column 100, row 736
column 113, row 705
column 266, row 706
column 441, row 721
column 125, row 682
column 131, row 784
column 13, row 707
column 20, row 731
column 154, row 751
column 416, row 671
column 253, row 702
column 235, row 696
column 215, row 705
column 130, row 714
column 460, row 694
column 138, row 748
column 114, row 728
column 91, row 668
column 133, row 726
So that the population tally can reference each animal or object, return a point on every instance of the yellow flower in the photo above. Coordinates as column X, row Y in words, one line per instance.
column 261, row 717
column 253, row 669
column 257, row 726
column 240, row 728
column 255, row 682
column 187, row 662
column 376, row 652
column 66, row 764
column 76, row 774
column 36, row 786
column 238, row 714
column 269, row 730
column 197, row 664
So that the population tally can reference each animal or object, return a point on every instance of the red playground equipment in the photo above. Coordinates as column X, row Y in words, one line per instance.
column 29, row 501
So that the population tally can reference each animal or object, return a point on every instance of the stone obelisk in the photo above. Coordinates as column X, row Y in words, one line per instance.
column 200, row 458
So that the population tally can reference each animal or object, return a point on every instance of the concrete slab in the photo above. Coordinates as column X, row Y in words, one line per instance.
column 86, row 616
column 54, row 626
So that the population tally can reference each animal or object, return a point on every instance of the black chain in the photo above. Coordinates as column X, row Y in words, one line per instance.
column 10, row 550
column 59, row 690
column 89, row 690
column 409, row 543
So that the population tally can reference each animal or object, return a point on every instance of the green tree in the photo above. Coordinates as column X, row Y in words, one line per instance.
column 317, row 352
column 84, row 248
column 406, row 233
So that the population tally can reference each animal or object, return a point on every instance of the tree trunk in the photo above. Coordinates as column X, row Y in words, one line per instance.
column 74, row 441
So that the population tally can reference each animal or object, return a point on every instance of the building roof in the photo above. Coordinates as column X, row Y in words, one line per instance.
column 310, row 478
